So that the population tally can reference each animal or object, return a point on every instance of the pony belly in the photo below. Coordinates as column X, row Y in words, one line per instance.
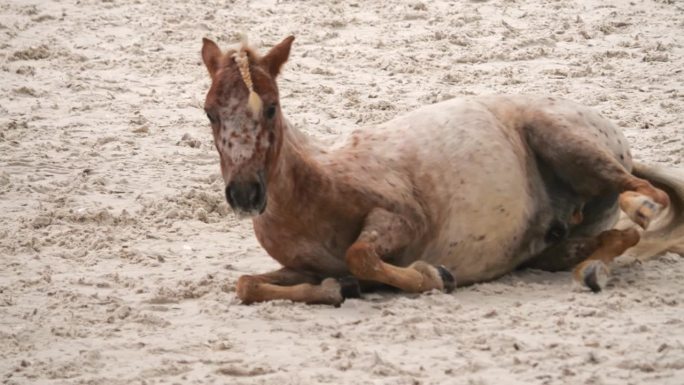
column 491, row 199
column 482, row 257
column 489, row 230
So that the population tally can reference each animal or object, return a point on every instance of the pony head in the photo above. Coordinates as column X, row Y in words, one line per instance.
column 243, row 108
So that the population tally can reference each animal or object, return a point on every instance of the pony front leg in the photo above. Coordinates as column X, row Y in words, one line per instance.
column 295, row 286
column 384, row 233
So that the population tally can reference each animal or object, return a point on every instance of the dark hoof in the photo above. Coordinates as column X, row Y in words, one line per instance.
column 349, row 287
column 594, row 276
column 448, row 279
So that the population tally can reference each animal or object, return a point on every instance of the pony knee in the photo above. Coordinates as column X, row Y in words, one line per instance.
column 247, row 288
column 362, row 261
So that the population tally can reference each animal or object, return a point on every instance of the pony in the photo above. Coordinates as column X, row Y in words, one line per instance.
column 453, row 193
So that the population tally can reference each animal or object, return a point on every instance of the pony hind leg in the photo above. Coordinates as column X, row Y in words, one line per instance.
column 594, row 272
column 295, row 286
column 589, row 257
column 583, row 160
column 564, row 255
column 640, row 208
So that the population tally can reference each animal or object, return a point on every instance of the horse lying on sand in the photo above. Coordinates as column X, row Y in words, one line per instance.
column 457, row 192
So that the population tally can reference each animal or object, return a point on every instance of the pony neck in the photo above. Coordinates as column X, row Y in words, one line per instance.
column 298, row 177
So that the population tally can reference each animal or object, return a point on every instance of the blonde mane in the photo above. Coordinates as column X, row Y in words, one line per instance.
column 242, row 61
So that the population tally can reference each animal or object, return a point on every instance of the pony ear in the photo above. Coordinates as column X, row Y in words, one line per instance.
column 277, row 56
column 211, row 55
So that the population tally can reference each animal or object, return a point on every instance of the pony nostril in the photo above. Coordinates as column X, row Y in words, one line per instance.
column 255, row 194
column 230, row 194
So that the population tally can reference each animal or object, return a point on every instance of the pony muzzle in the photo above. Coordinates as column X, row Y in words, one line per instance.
column 247, row 197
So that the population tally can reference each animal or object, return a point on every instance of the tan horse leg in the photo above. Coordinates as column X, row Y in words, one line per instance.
column 294, row 286
column 589, row 166
column 594, row 271
column 590, row 257
column 565, row 255
column 365, row 264
column 384, row 233
column 640, row 207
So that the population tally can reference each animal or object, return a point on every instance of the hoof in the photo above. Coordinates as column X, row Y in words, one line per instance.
column 641, row 209
column 448, row 279
column 595, row 276
column 646, row 213
column 349, row 287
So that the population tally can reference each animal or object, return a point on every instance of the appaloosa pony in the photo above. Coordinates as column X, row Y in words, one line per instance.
column 461, row 191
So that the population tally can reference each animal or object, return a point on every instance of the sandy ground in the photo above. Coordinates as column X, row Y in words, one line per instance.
column 118, row 255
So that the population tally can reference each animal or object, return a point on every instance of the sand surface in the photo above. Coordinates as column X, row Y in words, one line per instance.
column 119, row 256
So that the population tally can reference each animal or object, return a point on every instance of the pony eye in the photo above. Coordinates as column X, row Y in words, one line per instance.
column 270, row 111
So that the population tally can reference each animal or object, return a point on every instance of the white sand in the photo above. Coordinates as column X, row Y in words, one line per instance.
column 118, row 255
